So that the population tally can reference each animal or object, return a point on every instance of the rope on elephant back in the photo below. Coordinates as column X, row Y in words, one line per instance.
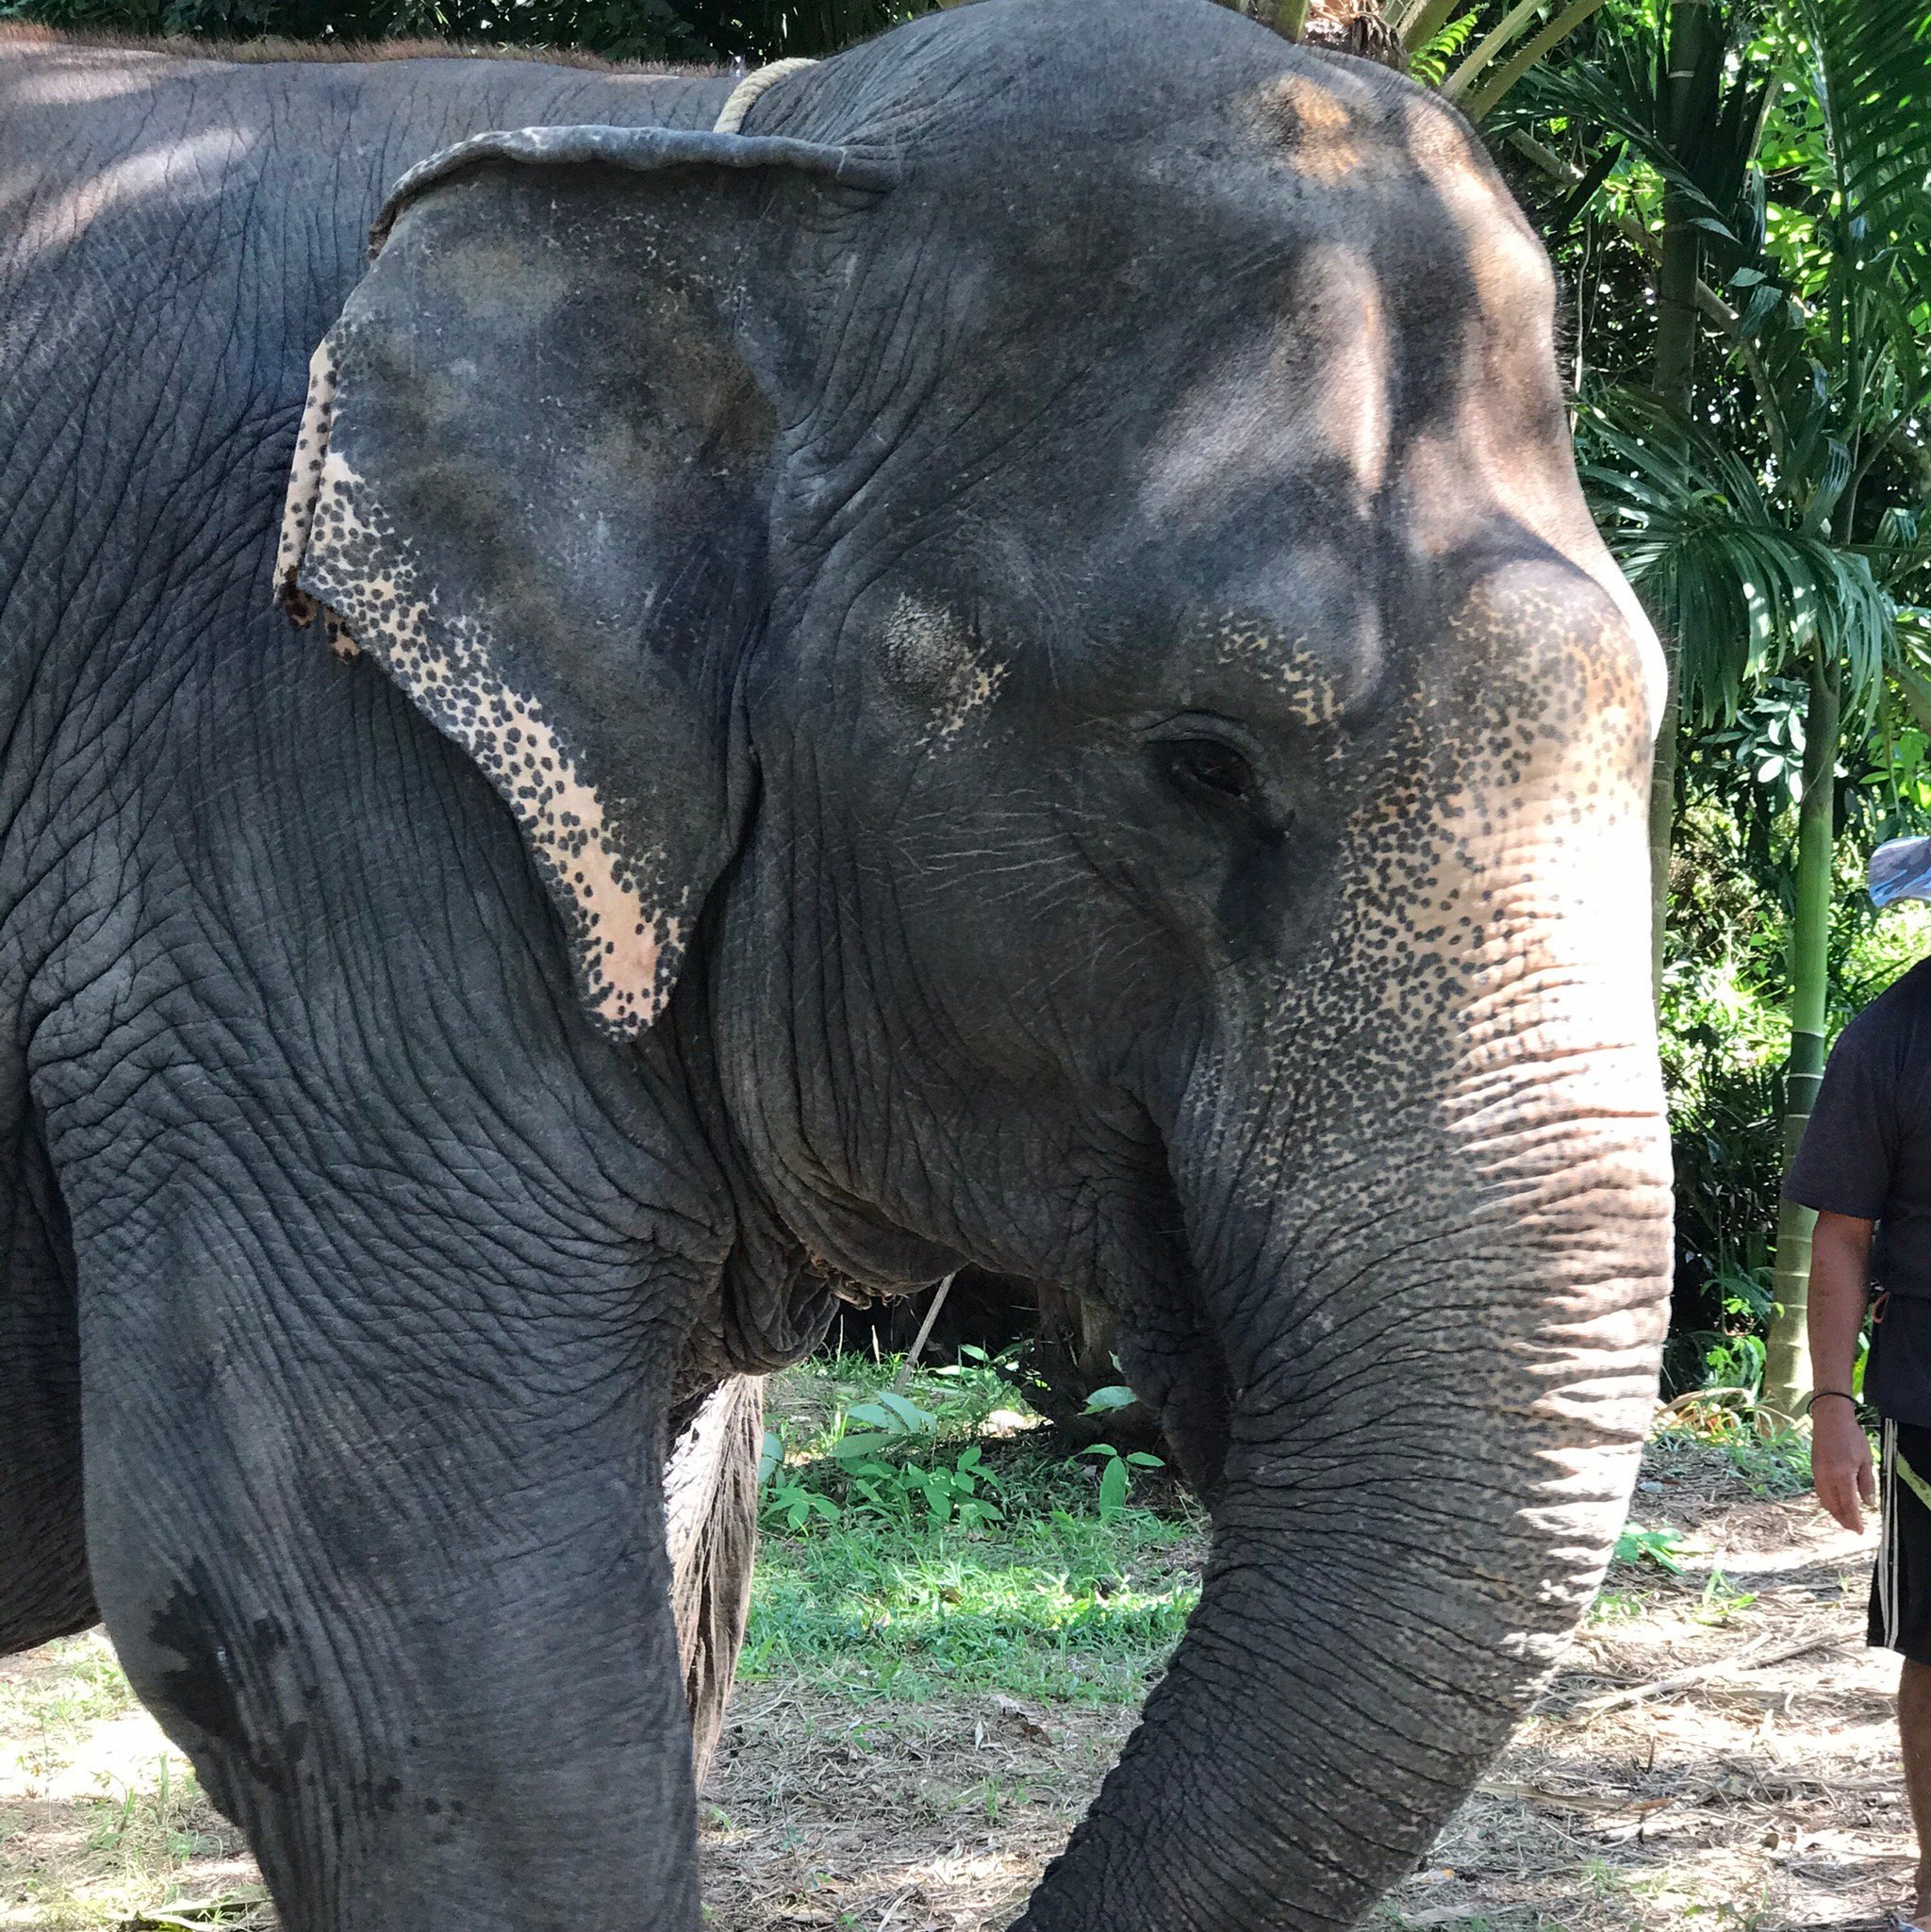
column 731, row 120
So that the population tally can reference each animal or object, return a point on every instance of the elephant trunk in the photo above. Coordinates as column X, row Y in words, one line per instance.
column 1429, row 1223
column 1420, row 1494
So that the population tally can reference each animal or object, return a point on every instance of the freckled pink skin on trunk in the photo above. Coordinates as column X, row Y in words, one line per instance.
column 338, row 558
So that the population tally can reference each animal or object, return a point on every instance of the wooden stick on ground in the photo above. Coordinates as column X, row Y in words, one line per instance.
column 918, row 1348
column 1752, row 1657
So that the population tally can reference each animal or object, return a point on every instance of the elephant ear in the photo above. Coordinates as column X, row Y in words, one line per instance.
column 530, row 482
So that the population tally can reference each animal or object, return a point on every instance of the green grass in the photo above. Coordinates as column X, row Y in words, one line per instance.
column 876, row 1598
column 62, row 1703
column 1051, row 1604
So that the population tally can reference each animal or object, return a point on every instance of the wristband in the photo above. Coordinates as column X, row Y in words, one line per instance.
column 1818, row 1394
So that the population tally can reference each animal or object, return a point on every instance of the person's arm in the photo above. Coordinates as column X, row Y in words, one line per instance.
column 1840, row 1450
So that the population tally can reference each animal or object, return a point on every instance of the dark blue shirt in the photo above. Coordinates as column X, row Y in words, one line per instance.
column 1867, row 1153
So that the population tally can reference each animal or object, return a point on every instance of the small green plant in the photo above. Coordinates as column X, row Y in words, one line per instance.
column 1117, row 1470
column 1659, row 1547
column 1618, row 1607
column 863, row 1445
column 949, row 1490
column 1764, row 1448
column 1116, row 1475
column 952, row 1490
column 973, row 1387
column 790, row 1502
column 1721, row 1601
column 886, row 1423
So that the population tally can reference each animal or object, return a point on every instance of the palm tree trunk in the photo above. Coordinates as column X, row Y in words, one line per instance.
column 1673, row 381
column 1787, row 1362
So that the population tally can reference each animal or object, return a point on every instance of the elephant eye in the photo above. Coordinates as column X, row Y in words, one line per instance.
column 1210, row 765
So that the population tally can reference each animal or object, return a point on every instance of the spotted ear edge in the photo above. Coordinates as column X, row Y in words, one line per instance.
column 298, row 502
column 626, row 931
column 626, row 905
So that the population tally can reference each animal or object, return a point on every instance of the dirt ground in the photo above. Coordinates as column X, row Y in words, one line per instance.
column 1716, row 1752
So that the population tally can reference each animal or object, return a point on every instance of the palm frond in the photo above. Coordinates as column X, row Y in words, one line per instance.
column 1872, row 71
column 1428, row 63
column 1746, row 588
column 1496, row 82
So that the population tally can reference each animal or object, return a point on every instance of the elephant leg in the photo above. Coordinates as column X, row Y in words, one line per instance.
column 377, row 1519
column 711, row 1501
column 44, row 1591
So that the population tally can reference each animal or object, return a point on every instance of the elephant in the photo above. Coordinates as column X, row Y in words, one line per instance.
column 984, row 654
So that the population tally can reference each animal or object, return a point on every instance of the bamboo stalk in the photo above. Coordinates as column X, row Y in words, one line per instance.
column 1787, row 1354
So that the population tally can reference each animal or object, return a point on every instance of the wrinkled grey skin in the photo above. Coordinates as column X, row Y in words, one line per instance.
column 1100, row 744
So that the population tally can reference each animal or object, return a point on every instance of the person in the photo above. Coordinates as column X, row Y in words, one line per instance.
column 1865, row 1165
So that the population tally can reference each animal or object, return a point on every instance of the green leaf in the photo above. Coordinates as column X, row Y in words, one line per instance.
column 1112, row 1489
column 1115, row 1396
column 1747, row 589
column 1657, row 1547
column 1871, row 71
column 908, row 1415
column 1766, row 300
column 1429, row 64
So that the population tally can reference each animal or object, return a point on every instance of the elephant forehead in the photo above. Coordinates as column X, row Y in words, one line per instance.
column 1406, row 153
column 1306, row 385
column 1331, row 127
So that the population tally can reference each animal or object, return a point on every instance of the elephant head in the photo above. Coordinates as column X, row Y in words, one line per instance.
column 1035, row 612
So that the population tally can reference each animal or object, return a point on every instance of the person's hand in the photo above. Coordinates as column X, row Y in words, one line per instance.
column 1840, row 1461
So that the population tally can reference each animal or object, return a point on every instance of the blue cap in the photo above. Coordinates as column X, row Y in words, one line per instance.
column 1900, row 868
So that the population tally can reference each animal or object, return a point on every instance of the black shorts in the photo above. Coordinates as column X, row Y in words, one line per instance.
column 1901, row 1584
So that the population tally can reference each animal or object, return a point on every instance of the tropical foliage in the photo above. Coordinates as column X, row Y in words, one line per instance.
column 1756, row 171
